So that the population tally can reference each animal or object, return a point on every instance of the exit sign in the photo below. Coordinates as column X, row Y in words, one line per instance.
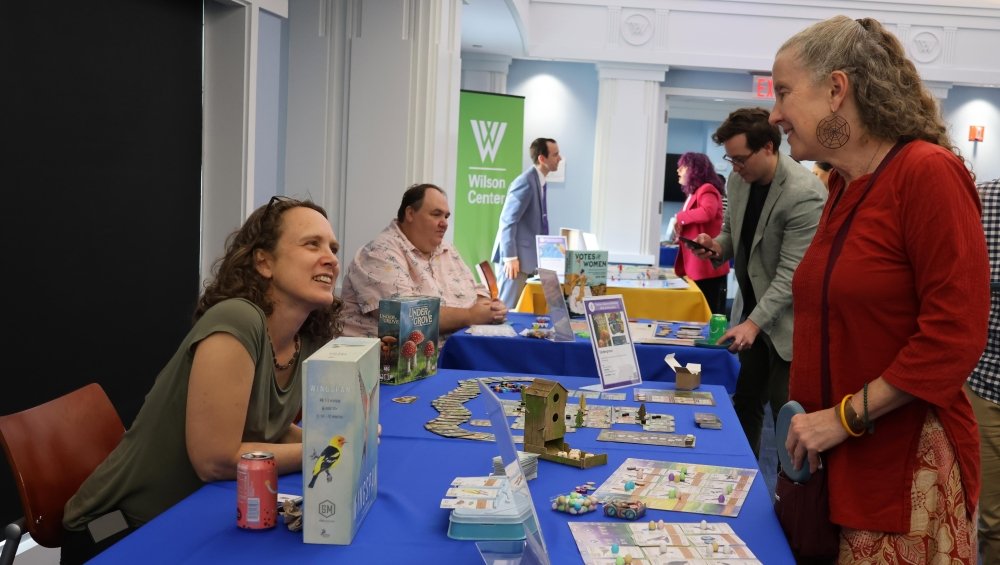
column 763, row 87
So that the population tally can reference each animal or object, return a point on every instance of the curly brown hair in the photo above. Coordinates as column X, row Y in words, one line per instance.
column 892, row 101
column 235, row 276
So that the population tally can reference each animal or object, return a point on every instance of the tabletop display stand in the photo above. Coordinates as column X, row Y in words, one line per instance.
column 532, row 550
column 611, row 342
column 545, row 426
column 557, row 306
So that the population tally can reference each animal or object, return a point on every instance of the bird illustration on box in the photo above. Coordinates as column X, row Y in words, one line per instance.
column 367, row 400
column 328, row 459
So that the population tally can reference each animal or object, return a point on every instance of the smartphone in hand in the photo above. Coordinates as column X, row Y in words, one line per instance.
column 694, row 245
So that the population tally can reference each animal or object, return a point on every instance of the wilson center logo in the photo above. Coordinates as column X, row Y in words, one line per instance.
column 488, row 135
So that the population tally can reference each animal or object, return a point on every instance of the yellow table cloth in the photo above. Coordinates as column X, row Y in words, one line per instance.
column 650, row 303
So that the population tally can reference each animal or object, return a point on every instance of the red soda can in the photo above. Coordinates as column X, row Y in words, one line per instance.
column 257, row 491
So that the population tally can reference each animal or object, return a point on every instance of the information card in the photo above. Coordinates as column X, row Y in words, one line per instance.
column 614, row 351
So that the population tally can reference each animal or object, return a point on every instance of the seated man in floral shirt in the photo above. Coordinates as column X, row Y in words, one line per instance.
column 410, row 258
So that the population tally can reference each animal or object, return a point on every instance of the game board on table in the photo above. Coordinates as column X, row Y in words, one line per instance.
column 698, row 398
column 598, row 416
column 668, row 543
column 681, row 487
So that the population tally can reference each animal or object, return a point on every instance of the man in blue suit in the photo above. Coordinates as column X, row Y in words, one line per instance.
column 524, row 216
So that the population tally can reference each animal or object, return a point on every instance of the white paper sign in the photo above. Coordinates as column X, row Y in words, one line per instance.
column 551, row 251
column 614, row 351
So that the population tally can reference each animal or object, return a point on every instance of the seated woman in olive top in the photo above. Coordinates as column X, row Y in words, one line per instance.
column 234, row 384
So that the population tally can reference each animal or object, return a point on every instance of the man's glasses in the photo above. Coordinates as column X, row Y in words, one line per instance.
column 739, row 161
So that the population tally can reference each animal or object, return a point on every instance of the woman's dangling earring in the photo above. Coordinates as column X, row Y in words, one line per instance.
column 833, row 131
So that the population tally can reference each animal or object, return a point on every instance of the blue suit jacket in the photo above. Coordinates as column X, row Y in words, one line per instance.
column 520, row 221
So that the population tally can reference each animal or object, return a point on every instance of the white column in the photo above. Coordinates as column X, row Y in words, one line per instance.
column 485, row 72
column 629, row 156
column 373, row 106
column 230, row 114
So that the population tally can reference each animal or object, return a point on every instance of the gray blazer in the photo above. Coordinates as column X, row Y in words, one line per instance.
column 787, row 223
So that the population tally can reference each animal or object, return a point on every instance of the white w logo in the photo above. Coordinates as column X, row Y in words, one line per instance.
column 488, row 137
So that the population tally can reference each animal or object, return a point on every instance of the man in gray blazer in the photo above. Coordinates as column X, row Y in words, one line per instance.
column 774, row 208
column 524, row 215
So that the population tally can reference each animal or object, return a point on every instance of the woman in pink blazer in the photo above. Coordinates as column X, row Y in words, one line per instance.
column 701, row 213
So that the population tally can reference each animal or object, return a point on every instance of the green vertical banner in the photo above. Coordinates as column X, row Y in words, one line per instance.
column 490, row 147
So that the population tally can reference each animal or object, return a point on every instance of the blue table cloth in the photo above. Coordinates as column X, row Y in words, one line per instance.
column 416, row 466
column 668, row 255
column 530, row 355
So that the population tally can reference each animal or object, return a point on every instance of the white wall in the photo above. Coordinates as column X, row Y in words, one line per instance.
column 560, row 101
column 967, row 106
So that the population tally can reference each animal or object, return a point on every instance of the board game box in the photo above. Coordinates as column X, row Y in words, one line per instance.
column 408, row 331
column 339, row 439
column 586, row 275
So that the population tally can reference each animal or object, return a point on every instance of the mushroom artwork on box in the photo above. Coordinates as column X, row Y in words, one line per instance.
column 545, row 426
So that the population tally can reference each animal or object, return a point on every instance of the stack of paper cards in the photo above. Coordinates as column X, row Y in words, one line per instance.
column 529, row 464
column 690, row 331
column 707, row 420
column 473, row 492
column 483, row 508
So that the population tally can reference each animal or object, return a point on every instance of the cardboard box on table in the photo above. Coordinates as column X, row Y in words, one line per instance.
column 688, row 377
column 408, row 329
column 339, row 439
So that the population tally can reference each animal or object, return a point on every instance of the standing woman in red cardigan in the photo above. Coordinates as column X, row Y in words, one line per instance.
column 701, row 213
column 891, row 299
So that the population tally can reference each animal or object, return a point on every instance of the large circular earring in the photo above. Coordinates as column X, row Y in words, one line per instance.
column 833, row 132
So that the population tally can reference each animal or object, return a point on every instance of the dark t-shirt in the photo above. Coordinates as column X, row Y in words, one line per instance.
column 751, row 217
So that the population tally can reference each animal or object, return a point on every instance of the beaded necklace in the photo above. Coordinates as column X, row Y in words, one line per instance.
column 291, row 361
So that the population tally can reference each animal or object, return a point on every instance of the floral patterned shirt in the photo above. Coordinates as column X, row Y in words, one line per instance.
column 390, row 266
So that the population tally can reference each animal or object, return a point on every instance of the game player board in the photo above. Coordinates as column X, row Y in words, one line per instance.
column 682, row 487
column 647, row 438
column 704, row 543
column 699, row 398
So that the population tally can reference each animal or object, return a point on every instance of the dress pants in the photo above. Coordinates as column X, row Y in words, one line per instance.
column 715, row 290
column 763, row 378
column 510, row 289
column 988, row 417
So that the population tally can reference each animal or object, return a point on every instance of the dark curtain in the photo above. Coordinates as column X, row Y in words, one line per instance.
column 101, row 180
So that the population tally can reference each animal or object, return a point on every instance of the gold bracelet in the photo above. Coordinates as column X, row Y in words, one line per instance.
column 853, row 420
column 843, row 419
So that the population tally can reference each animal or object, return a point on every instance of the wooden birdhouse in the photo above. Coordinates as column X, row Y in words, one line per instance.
column 544, row 407
column 545, row 426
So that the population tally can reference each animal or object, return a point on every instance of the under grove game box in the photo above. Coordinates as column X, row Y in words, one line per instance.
column 408, row 330
column 339, row 439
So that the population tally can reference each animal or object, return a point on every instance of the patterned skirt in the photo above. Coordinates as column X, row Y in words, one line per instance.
column 942, row 532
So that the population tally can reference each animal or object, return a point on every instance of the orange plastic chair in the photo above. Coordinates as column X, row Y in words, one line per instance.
column 52, row 448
